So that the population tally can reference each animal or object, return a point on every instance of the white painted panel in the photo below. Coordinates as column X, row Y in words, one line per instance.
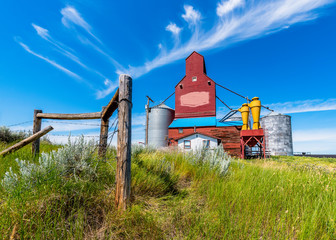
column 196, row 141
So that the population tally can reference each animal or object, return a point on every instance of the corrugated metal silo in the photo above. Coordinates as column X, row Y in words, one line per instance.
column 278, row 133
column 160, row 117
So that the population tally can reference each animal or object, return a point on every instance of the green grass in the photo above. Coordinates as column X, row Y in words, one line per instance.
column 174, row 197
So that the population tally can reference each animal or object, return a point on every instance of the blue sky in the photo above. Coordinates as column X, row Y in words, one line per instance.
column 65, row 56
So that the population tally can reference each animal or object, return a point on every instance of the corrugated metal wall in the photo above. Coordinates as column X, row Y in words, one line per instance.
column 160, row 117
column 278, row 134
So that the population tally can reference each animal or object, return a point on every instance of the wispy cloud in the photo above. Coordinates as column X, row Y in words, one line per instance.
column 315, row 140
column 70, row 16
column 310, row 105
column 314, row 135
column 139, row 119
column 237, row 20
column 226, row 7
column 173, row 28
column 191, row 16
column 53, row 63
column 63, row 49
column 63, row 126
column 302, row 106
column 109, row 87
column 44, row 33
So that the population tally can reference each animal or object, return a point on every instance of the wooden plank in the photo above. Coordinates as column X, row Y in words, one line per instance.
column 104, row 126
column 26, row 141
column 111, row 106
column 123, row 172
column 36, row 128
column 65, row 116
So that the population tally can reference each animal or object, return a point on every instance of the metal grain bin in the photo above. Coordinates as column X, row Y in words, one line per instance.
column 160, row 117
column 278, row 134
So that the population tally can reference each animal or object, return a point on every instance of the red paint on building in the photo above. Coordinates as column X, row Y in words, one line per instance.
column 229, row 136
column 195, row 94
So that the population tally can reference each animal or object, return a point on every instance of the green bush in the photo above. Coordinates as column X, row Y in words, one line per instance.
column 74, row 162
column 8, row 136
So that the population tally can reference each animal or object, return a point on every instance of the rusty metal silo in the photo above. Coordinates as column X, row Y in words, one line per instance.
column 278, row 134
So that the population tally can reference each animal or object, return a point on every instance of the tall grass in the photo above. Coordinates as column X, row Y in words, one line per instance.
column 175, row 195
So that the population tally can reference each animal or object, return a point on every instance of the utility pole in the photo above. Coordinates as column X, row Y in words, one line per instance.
column 147, row 116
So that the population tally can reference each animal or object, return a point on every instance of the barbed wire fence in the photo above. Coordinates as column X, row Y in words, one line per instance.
column 113, row 125
column 121, row 102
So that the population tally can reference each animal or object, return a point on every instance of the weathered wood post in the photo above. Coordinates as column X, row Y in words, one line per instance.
column 104, row 126
column 123, row 173
column 36, row 128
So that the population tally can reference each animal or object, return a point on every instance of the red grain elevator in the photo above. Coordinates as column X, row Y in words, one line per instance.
column 195, row 112
column 195, row 94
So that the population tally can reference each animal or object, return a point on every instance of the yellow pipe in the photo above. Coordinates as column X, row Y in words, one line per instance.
column 255, row 106
column 245, row 115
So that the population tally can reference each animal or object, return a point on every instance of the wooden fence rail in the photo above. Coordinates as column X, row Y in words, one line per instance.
column 62, row 116
column 27, row 141
column 104, row 115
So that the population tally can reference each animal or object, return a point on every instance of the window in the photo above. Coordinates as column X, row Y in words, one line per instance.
column 187, row 144
column 206, row 143
column 180, row 130
column 194, row 79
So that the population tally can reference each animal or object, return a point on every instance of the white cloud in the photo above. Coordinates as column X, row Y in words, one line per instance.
column 66, row 51
column 227, row 6
column 70, row 16
column 191, row 16
column 65, row 126
column 53, row 63
column 44, row 33
column 139, row 119
column 314, row 135
column 138, row 134
column 173, row 28
column 110, row 87
column 310, row 105
column 64, row 139
column 315, row 140
column 302, row 106
column 256, row 19
column 114, row 62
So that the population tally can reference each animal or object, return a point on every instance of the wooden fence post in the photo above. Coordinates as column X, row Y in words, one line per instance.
column 104, row 126
column 36, row 128
column 123, row 172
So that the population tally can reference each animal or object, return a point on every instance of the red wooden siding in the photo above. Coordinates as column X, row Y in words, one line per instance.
column 230, row 136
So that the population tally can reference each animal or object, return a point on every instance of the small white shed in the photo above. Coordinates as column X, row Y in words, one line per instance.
column 196, row 141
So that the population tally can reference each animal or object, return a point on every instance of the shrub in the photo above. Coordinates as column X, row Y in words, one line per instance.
column 215, row 158
column 75, row 161
column 8, row 136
